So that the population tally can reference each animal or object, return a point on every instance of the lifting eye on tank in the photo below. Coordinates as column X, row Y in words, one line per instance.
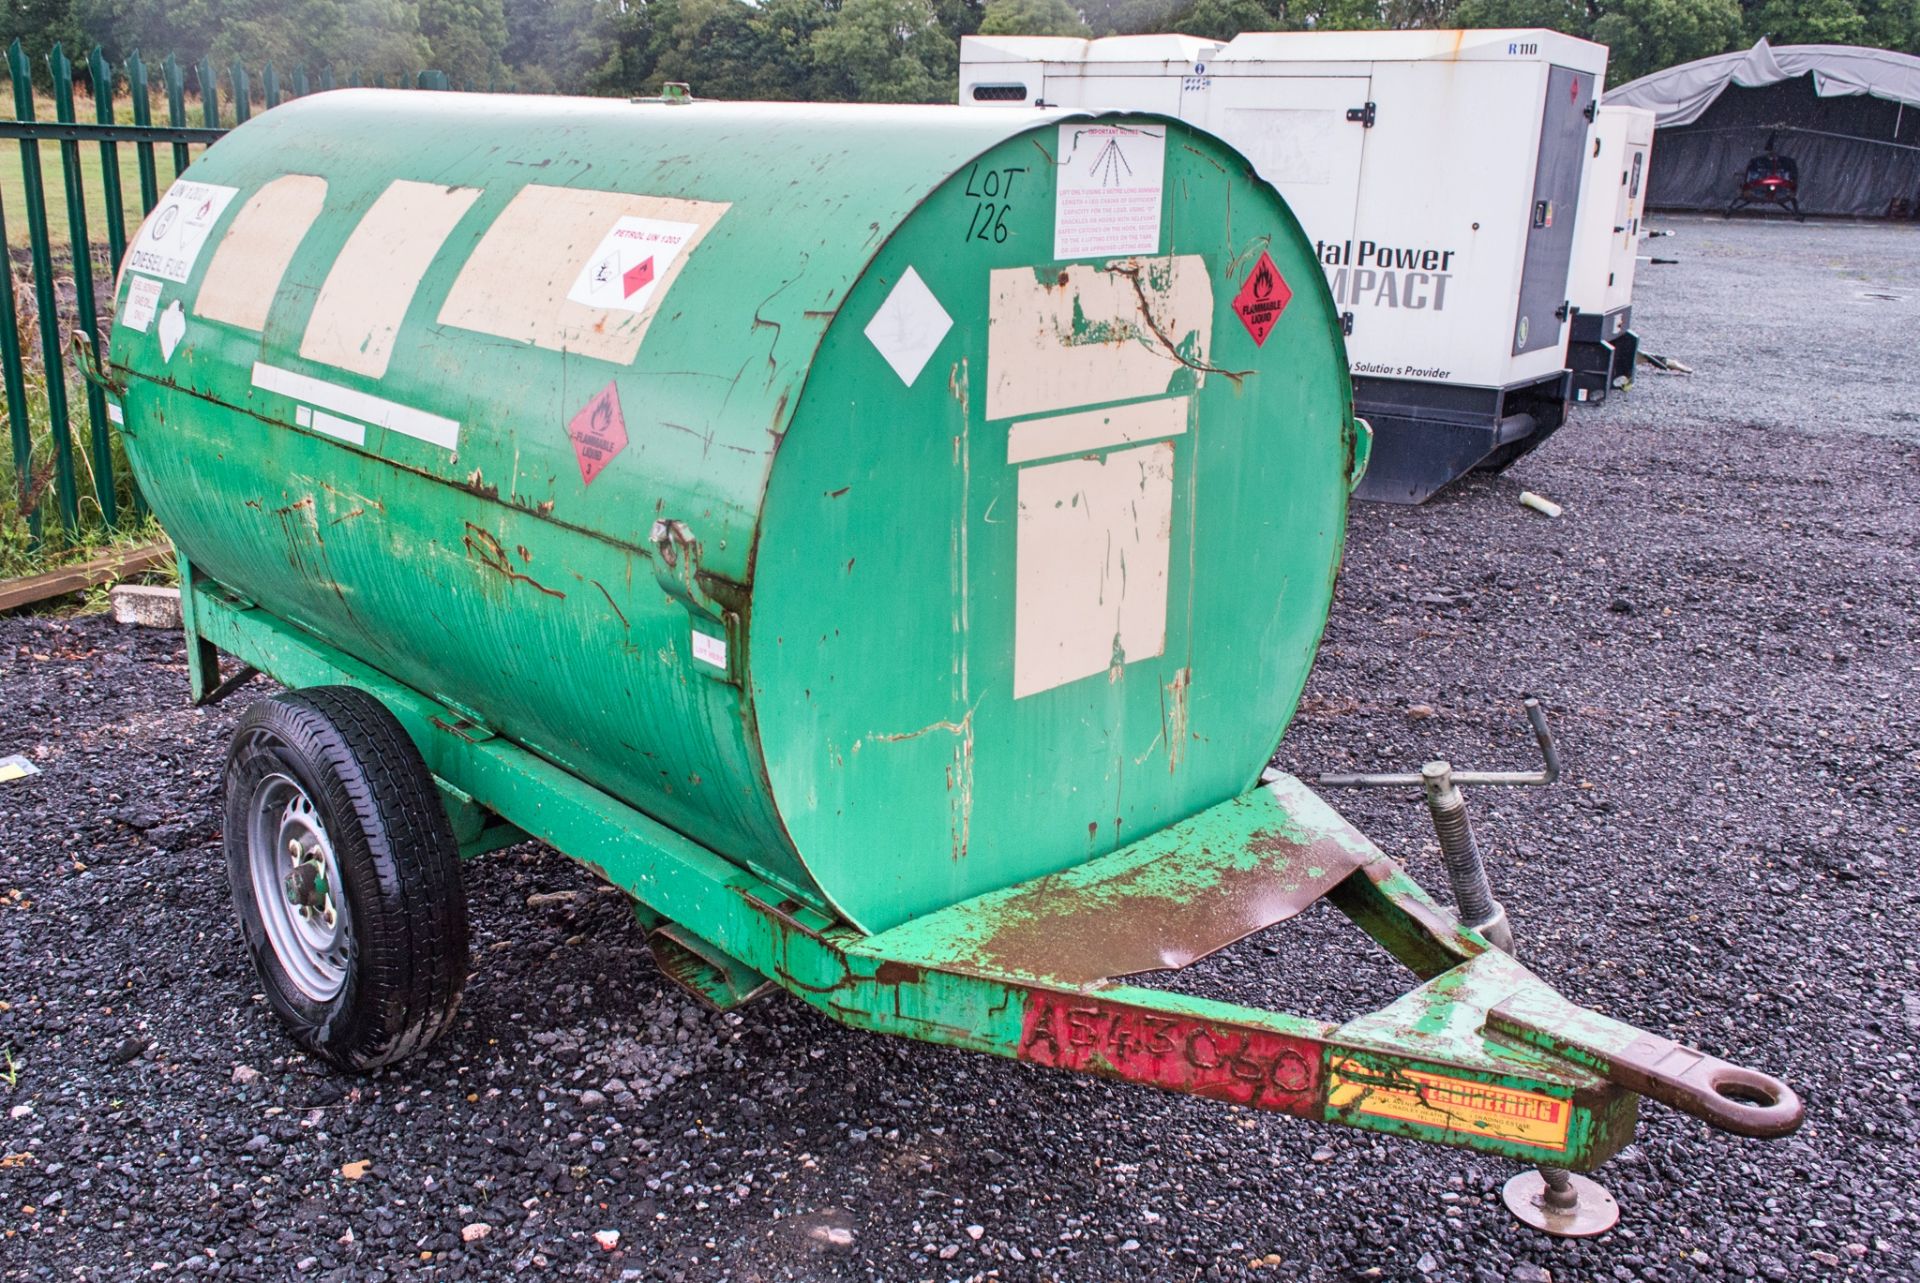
column 669, row 537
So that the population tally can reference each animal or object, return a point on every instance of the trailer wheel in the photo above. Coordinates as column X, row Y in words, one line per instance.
column 345, row 876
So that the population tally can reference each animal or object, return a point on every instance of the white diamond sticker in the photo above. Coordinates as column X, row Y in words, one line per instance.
column 909, row 326
column 173, row 327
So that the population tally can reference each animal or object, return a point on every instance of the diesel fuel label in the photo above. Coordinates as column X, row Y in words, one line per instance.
column 169, row 242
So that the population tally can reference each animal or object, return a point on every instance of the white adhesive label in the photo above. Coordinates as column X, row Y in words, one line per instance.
column 169, row 242
column 1108, row 191
column 909, row 326
column 173, row 328
column 625, row 268
column 143, row 299
column 710, row 650
column 361, row 406
column 335, row 426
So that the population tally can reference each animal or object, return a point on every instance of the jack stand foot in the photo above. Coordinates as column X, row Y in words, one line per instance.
column 1561, row 1204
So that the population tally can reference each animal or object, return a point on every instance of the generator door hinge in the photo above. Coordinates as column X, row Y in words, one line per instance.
column 1346, row 323
column 1565, row 309
column 1362, row 115
column 1593, row 109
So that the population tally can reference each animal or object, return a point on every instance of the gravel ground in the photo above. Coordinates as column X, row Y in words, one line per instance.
column 1723, row 626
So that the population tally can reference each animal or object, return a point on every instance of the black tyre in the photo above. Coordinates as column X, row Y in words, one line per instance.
column 345, row 876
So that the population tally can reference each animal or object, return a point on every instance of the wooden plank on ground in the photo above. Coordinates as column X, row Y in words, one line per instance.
column 15, row 593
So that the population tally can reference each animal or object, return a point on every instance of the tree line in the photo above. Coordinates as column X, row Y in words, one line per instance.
column 853, row 50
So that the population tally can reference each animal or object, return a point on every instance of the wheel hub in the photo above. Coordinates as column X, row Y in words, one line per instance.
column 306, row 884
column 295, row 875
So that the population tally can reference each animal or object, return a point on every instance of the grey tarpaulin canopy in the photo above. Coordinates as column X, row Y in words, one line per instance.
column 1849, row 117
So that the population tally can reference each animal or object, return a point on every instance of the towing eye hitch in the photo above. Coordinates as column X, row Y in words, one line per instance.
column 1731, row 1097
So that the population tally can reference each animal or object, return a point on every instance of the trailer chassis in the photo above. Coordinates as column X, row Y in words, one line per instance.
column 1480, row 1053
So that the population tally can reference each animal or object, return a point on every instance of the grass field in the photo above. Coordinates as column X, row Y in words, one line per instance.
column 13, row 188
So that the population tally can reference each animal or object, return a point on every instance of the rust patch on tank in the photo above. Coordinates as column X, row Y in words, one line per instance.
column 484, row 548
column 358, row 500
column 959, row 774
column 300, row 524
column 1162, row 915
column 1173, row 716
column 611, row 604
column 471, row 732
column 477, row 485
column 899, row 973
column 1216, row 164
column 1135, row 275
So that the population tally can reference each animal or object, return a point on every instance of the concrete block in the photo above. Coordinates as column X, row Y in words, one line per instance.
column 145, row 605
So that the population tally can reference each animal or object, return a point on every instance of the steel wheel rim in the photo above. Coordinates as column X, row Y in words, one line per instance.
column 297, row 887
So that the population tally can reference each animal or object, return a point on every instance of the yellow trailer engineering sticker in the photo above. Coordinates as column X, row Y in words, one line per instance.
column 1455, row 1104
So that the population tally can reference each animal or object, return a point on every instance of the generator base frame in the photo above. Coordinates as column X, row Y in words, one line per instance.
column 1429, row 435
column 1601, row 351
column 1481, row 1054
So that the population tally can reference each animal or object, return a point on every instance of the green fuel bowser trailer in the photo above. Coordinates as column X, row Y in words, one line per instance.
column 886, row 542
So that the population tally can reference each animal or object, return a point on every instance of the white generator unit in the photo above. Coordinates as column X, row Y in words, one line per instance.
column 1438, row 173
column 1601, row 346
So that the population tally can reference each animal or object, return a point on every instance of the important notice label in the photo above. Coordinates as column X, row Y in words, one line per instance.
column 1110, row 180
column 624, row 270
column 1262, row 298
column 169, row 242
column 1451, row 1104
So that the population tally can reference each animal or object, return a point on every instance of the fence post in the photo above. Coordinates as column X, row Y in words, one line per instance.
column 242, row 94
column 270, row 87
column 80, row 243
column 177, row 109
column 43, row 294
column 209, row 93
column 143, row 116
column 103, row 110
column 103, row 79
column 300, row 81
column 17, row 409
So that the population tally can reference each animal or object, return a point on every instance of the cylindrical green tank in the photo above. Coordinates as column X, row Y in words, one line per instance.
column 902, row 502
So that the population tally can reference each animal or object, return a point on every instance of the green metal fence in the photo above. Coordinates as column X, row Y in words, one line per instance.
column 49, row 450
